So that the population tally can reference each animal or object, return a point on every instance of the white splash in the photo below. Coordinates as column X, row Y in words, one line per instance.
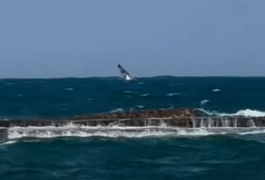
column 116, row 131
column 145, row 94
column 216, row 90
column 260, row 131
column 140, row 106
column 203, row 102
column 173, row 94
column 7, row 143
column 246, row 113
column 117, row 110
column 130, row 132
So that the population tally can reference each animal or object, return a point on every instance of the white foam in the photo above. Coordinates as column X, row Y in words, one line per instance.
column 173, row 94
column 140, row 106
column 203, row 102
column 245, row 113
column 7, row 143
column 216, row 90
column 261, row 131
column 145, row 94
column 117, row 131
column 117, row 110
column 130, row 132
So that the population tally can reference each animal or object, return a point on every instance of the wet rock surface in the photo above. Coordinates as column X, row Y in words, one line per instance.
column 187, row 118
column 3, row 134
column 147, row 114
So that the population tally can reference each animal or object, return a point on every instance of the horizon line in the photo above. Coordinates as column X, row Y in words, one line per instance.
column 139, row 77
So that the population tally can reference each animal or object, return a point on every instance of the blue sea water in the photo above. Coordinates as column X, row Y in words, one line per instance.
column 124, row 155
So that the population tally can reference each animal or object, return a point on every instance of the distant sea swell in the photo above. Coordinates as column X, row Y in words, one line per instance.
column 51, row 98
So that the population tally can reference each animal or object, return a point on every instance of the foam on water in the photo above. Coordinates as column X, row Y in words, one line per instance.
column 117, row 131
column 68, row 89
column 244, row 112
column 203, row 102
column 117, row 110
column 173, row 94
column 216, row 90
column 145, row 94
column 7, row 143
column 140, row 106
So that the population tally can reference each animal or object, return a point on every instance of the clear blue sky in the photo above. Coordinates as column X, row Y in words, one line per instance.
column 82, row 38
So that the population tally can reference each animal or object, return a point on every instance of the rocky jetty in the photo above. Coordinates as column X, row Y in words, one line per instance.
column 147, row 114
column 188, row 118
column 172, row 120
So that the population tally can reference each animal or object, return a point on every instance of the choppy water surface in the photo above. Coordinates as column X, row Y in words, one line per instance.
column 129, row 153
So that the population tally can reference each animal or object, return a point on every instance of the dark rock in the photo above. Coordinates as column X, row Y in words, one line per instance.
column 172, row 117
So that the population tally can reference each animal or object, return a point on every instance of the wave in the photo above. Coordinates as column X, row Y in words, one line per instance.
column 68, row 89
column 145, row 94
column 129, row 92
column 117, row 110
column 203, row 102
column 128, row 132
column 173, row 94
column 244, row 112
column 216, row 90
column 7, row 143
column 140, row 106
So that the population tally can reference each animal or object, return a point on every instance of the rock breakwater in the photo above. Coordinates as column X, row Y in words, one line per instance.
column 187, row 118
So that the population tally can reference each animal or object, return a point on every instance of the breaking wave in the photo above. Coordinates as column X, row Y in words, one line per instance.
column 128, row 132
column 245, row 113
column 203, row 102
column 145, row 94
column 173, row 94
column 216, row 90
column 117, row 110
column 7, row 143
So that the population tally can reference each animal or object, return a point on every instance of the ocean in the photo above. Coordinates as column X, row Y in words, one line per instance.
column 121, row 154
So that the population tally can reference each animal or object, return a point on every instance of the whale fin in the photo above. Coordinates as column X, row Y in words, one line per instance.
column 126, row 75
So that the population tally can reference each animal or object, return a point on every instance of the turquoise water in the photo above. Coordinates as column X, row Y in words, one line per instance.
column 117, row 154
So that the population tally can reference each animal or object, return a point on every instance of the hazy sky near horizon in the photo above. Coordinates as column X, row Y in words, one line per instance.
column 82, row 38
